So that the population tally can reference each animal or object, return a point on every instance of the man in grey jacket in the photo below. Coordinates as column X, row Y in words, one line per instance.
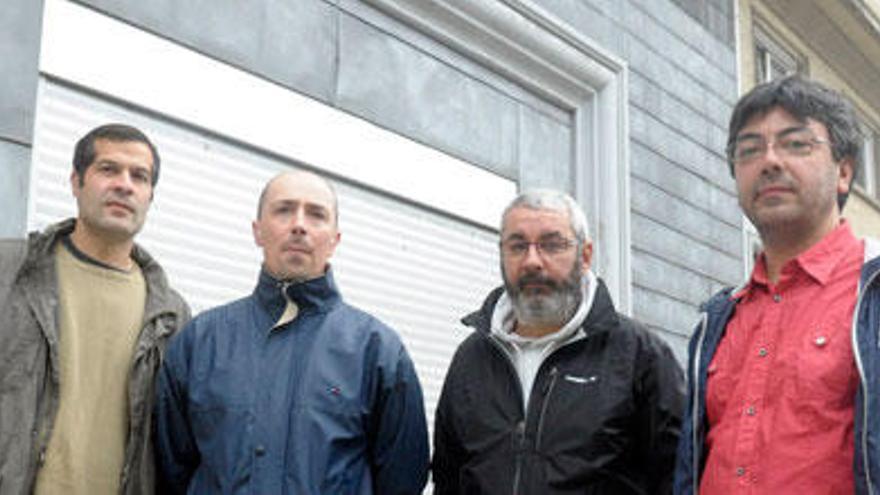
column 84, row 317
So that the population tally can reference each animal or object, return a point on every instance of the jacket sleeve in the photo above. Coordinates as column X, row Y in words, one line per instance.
column 448, row 453
column 177, row 456
column 661, row 404
column 399, row 436
column 684, row 465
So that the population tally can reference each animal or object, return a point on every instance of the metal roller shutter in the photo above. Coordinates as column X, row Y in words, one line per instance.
column 417, row 269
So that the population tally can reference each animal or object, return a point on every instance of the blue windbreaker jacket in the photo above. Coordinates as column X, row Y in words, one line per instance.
column 327, row 403
column 866, row 346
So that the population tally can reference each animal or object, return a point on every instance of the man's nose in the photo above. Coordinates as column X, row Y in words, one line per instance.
column 123, row 182
column 532, row 258
column 298, row 221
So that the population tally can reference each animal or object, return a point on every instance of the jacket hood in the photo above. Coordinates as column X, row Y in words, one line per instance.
column 318, row 294
column 601, row 318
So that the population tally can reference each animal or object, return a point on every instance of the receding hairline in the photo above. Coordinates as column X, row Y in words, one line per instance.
column 299, row 174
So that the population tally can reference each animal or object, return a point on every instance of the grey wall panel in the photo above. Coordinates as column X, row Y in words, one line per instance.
column 545, row 152
column 595, row 19
column 684, row 184
column 15, row 161
column 407, row 90
column 19, row 52
column 663, row 312
column 289, row 42
column 664, row 208
column 675, row 281
column 669, row 143
column 687, row 252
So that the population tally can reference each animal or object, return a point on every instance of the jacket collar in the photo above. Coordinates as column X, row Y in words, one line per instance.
column 601, row 318
column 39, row 268
column 318, row 294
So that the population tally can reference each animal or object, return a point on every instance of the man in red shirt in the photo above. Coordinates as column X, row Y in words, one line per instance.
column 783, row 370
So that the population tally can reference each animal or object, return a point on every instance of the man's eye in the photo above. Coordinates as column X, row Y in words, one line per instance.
column 518, row 247
column 747, row 150
column 552, row 247
column 140, row 177
column 318, row 214
column 796, row 144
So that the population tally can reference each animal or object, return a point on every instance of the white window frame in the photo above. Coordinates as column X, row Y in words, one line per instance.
column 516, row 38
column 769, row 49
column 529, row 46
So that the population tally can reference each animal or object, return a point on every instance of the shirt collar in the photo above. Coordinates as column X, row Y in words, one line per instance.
column 318, row 293
column 818, row 262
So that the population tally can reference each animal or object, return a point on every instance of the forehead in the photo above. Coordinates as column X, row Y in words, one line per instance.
column 133, row 153
column 776, row 120
column 300, row 188
column 526, row 221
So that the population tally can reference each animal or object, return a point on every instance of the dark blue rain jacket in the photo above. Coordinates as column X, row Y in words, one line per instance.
column 328, row 403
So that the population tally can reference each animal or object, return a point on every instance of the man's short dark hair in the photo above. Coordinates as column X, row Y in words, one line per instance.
column 803, row 99
column 84, row 152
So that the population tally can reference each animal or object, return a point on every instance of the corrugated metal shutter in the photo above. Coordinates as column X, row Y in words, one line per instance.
column 416, row 269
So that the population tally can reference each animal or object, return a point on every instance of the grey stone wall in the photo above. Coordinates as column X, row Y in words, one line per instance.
column 19, row 55
column 352, row 57
column 686, row 239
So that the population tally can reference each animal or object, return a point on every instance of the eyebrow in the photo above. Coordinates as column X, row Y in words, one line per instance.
column 782, row 133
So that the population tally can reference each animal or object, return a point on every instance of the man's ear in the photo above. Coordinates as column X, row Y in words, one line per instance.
column 586, row 256
column 75, row 183
column 258, row 234
column 845, row 173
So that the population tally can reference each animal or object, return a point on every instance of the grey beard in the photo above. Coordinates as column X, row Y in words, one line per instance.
column 553, row 309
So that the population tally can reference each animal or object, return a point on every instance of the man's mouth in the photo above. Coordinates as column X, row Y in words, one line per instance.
column 535, row 284
column 773, row 190
column 120, row 205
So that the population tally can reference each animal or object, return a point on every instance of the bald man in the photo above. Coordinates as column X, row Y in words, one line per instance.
column 291, row 390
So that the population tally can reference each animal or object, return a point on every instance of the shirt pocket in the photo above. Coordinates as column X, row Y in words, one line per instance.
column 825, row 372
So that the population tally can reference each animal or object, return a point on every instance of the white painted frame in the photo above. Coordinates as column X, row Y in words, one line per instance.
column 173, row 80
column 526, row 44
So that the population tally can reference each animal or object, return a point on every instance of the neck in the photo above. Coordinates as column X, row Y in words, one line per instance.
column 786, row 244
column 113, row 253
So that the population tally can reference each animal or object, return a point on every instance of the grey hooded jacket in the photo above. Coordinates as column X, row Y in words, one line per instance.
column 29, row 361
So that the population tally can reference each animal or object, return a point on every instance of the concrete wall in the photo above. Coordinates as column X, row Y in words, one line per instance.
column 352, row 57
column 19, row 54
column 686, row 230
column 686, row 225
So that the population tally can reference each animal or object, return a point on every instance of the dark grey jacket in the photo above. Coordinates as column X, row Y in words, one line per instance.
column 29, row 362
column 603, row 417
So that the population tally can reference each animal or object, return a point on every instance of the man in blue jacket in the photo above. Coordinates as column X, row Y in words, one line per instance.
column 291, row 390
column 783, row 371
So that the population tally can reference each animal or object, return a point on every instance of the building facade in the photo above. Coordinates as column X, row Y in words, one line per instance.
column 429, row 114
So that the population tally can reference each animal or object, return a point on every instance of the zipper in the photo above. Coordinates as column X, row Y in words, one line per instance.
column 548, row 390
column 863, row 383
column 520, row 449
column 521, row 426
column 695, row 409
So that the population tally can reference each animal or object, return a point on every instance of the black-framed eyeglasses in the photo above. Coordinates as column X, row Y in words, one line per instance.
column 517, row 248
column 795, row 144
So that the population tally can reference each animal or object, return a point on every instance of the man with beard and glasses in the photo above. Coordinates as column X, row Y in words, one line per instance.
column 291, row 390
column 85, row 314
column 784, row 370
column 555, row 392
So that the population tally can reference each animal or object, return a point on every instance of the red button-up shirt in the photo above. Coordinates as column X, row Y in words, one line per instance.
column 782, row 383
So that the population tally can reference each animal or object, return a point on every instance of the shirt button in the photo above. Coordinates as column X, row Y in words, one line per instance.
column 821, row 341
column 777, row 298
column 740, row 471
column 750, row 410
column 762, row 352
column 260, row 450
